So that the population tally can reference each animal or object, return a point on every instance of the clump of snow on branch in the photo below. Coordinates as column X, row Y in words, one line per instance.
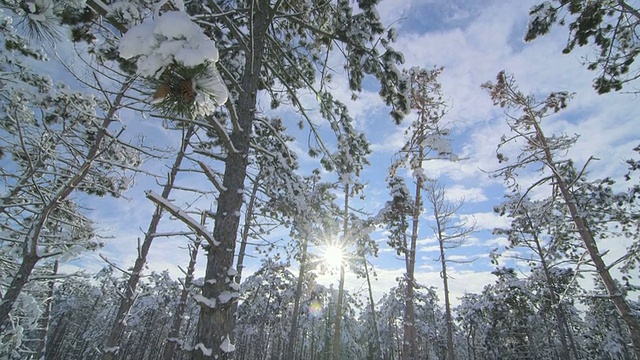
column 227, row 346
column 160, row 42
column 205, row 350
column 171, row 40
column 40, row 10
column 124, row 11
column 210, row 303
column 227, row 296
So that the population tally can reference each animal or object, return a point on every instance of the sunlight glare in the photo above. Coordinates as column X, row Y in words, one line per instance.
column 333, row 256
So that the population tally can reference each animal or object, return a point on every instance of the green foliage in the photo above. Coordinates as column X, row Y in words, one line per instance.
column 175, row 90
column 397, row 215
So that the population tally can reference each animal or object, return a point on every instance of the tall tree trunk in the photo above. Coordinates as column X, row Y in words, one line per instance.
column 312, row 334
column 174, row 332
column 409, row 321
column 372, row 304
column 42, row 331
column 30, row 255
column 248, row 219
column 557, row 307
column 447, row 303
column 244, row 238
column 215, row 325
column 127, row 301
column 296, row 305
column 621, row 304
column 338, row 319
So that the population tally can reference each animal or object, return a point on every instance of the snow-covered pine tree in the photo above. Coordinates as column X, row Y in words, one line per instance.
column 58, row 143
column 430, row 328
column 305, row 225
column 426, row 140
column 592, row 206
column 274, row 48
column 539, row 228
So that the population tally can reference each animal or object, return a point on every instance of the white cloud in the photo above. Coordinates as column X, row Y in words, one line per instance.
column 464, row 258
column 485, row 220
column 460, row 192
column 429, row 249
column 499, row 241
column 461, row 281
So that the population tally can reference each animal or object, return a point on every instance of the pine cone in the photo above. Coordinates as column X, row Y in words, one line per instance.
column 161, row 92
column 188, row 91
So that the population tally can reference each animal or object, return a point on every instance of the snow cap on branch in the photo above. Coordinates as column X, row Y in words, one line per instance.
column 176, row 55
column 160, row 42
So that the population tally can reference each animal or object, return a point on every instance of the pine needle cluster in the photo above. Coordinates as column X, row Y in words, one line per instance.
column 178, row 89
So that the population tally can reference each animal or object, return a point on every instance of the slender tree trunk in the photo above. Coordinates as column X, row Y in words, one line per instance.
column 127, row 301
column 296, row 305
column 174, row 332
column 632, row 322
column 248, row 219
column 560, row 319
column 18, row 282
column 215, row 326
column 335, row 353
column 30, row 255
column 312, row 335
column 447, row 303
column 338, row 319
column 40, row 335
column 372, row 304
column 244, row 238
column 409, row 337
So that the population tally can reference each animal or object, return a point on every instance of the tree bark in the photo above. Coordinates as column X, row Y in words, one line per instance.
column 215, row 325
column 29, row 261
column 447, row 303
column 409, row 341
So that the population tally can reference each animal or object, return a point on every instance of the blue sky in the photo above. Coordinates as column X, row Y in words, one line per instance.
column 473, row 41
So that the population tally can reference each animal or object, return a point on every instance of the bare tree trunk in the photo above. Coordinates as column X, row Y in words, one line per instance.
column 372, row 304
column 449, row 236
column 592, row 248
column 338, row 319
column 447, row 303
column 174, row 332
column 30, row 255
column 409, row 320
column 129, row 297
column 248, row 219
column 557, row 307
column 296, row 305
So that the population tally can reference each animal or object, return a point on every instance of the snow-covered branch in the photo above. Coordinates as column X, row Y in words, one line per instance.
column 212, row 177
column 182, row 216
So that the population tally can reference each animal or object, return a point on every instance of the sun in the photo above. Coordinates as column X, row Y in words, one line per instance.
column 333, row 256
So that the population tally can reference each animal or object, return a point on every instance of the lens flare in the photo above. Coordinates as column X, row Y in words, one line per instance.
column 315, row 309
column 333, row 256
